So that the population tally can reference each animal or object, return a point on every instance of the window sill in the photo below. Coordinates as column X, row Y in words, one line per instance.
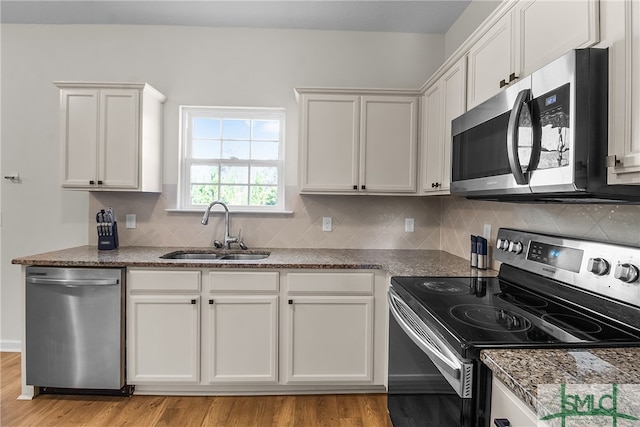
column 231, row 211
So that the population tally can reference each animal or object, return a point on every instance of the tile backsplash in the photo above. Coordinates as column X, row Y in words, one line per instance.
column 363, row 222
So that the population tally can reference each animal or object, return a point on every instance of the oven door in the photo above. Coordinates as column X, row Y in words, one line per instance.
column 427, row 381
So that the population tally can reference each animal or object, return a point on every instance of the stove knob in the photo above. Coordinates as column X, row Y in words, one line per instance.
column 598, row 266
column 628, row 273
column 515, row 247
column 502, row 244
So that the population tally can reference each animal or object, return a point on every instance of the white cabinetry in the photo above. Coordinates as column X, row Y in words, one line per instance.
column 111, row 136
column 242, row 327
column 621, row 34
column 522, row 37
column 358, row 141
column 506, row 405
column 163, row 327
column 442, row 102
column 329, row 327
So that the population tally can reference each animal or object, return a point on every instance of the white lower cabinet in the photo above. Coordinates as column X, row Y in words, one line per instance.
column 163, row 327
column 242, row 327
column 506, row 405
column 249, row 331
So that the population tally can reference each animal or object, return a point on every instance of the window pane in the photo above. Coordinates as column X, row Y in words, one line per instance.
column 205, row 149
column 265, row 150
column 204, row 173
column 235, row 149
column 263, row 196
column 234, row 174
column 266, row 129
column 234, row 194
column 203, row 194
column 206, row 128
column 264, row 175
column 235, row 129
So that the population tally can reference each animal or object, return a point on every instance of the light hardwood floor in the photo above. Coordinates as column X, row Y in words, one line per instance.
column 358, row 410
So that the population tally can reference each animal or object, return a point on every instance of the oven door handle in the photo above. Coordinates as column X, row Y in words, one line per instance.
column 450, row 365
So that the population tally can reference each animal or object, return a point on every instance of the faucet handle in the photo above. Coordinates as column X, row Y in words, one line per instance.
column 240, row 241
column 217, row 244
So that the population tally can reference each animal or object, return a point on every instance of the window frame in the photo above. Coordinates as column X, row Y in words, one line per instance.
column 187, row 113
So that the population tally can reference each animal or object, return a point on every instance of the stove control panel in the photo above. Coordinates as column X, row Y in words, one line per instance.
column 608, row 269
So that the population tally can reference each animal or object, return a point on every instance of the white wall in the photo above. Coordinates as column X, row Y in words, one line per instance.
column 192, row 66
column 475, row 13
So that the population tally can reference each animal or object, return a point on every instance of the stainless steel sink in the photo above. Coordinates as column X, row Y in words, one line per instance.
column 242, row 257
column 215, row 256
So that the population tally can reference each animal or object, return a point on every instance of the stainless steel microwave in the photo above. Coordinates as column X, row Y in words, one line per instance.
column 544, row 138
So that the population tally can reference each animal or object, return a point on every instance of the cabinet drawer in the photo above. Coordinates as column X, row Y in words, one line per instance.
column 331, row 283
column 164, row 280
column 261, row 281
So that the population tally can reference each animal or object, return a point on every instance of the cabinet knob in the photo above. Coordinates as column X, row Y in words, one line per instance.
column 193, row 301
column 503, row 83
column 210, row 301
column 92, row 182
column 363, row 187
column 290, row 301
column 99, row 182
column 501, row 422
column 512, row 77
column 355, row 187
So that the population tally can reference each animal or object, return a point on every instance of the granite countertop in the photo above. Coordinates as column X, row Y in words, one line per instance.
column 397, row 262
column 522, row 370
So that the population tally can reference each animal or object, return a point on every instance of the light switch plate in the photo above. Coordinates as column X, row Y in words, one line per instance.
column 326, row 223
column 486, row 231
column 131, row 221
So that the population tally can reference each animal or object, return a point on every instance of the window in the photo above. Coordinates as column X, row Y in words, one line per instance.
column 234, row 155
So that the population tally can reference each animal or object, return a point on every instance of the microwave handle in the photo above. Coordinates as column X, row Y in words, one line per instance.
column 512, row 137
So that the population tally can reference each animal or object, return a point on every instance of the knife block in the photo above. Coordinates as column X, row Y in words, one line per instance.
column 109, row 242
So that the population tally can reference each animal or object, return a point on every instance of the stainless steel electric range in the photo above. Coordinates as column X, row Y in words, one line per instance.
column 551, row 291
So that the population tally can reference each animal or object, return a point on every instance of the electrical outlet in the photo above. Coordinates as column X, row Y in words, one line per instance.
column 131, row 221
column 408, row 225
column 486, row 231
column 326, row 223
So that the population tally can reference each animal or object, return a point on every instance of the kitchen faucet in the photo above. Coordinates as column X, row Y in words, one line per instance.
column 228, row 239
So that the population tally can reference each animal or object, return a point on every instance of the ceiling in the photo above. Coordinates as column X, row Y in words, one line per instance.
column 417, row 16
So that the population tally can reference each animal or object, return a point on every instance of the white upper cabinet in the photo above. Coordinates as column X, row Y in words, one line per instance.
column 358, row 142
column 527, row 35
column 490, row 62
column 442, row 102
column 111, row 136
column 621, row 34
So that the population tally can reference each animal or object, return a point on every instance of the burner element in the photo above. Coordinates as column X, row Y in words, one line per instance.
column 490, row 318
column 572, row 323
column 446, row 287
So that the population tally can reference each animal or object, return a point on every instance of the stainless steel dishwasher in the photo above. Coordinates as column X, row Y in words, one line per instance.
column 75, row 333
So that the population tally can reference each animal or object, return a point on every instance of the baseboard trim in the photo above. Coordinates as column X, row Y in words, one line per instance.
column 11, row 346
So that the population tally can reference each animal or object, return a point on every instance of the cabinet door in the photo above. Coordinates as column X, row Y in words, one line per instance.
column 490, row 60
column 543, row 33
column 330, row 339
column 163, row 339
column 444, row 101
column 79, row 137
column 329, row 135
column 119, row 138
column 389, row 144
column 622, row 29
column 243, row 339
column 432, row 138
column 505, row 404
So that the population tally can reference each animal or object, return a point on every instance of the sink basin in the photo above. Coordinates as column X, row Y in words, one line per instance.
column 215, row 256
column 242, row 257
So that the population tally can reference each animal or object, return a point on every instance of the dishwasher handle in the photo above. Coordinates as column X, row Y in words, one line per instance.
column 72, row 283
